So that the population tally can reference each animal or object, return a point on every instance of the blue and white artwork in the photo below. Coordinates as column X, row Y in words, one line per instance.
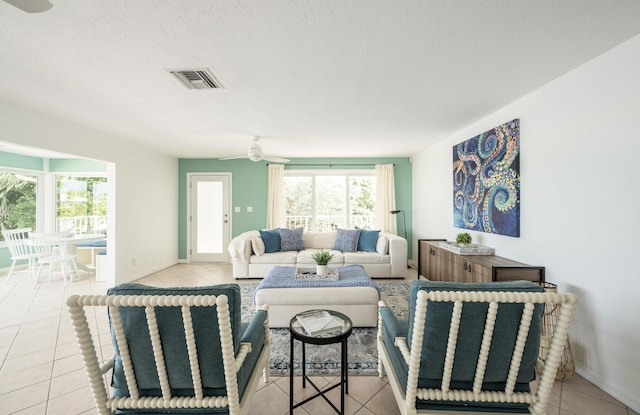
column 486, row 181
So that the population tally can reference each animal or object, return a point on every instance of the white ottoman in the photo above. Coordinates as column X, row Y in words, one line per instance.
column 360, row 303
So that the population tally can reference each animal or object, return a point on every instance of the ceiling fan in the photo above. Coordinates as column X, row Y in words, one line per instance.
column 31, row 6
column 255, row 153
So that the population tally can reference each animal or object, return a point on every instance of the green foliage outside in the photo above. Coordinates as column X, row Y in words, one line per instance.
column 76, row 197
column 330, row 198
column 17, row 201
column 81, row 196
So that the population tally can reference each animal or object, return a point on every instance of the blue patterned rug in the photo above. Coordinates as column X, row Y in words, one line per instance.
column 325, row 360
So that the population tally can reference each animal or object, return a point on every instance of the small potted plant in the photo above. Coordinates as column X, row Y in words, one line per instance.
column 322, row 258
column 463, row 239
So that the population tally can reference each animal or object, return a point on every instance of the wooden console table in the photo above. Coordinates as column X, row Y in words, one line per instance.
column 439, row 264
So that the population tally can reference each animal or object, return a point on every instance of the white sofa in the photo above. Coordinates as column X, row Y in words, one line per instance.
column 389, row 260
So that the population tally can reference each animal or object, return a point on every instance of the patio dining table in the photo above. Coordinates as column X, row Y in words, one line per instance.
column 68, row 245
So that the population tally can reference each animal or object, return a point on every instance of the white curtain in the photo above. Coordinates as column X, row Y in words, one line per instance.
column 385, row 198
column 275, row 202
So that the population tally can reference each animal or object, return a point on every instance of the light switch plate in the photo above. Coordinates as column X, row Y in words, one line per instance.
column 249, row 209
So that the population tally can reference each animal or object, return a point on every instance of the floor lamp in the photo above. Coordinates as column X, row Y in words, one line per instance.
column 404, row 221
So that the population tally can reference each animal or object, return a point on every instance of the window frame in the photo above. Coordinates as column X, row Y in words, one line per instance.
column 55, row 176
column 40, row 194
column 348, row 173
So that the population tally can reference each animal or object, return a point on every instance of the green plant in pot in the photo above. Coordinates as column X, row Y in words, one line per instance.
column 322, row 258
column 463, row 238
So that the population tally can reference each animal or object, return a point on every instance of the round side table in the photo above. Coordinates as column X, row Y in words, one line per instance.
column 339, row 335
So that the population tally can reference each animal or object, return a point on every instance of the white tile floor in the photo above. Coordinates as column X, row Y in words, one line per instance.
column 41, row 371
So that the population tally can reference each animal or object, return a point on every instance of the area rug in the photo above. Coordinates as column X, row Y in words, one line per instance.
column 325, row 360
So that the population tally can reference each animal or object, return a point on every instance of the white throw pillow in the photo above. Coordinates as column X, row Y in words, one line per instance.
column 257, row 244
column 383, row 245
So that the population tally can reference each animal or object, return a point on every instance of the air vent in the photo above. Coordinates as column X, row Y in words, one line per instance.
column 196, row 78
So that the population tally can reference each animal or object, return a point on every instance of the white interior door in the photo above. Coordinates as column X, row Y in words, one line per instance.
column 210, row 227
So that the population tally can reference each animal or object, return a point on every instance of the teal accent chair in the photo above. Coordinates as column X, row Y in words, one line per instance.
column 176, row 350
column 472, row 348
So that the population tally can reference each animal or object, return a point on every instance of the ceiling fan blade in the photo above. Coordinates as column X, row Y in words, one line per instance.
column 234, row 158
column 31, row 6
column 275, row 159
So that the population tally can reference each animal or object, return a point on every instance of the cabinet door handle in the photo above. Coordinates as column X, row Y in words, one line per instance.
column 465, row 266
column 469, row 268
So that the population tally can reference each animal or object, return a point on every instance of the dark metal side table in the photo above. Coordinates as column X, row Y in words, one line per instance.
column 338, row 336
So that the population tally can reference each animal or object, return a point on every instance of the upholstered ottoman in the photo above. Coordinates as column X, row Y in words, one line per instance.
column 353, row 294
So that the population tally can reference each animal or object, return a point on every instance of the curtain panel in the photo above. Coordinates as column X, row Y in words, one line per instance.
column 385, row 198
column 275, row 201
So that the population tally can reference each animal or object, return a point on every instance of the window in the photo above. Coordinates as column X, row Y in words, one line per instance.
column 18, row 200
column 81, row 204
column 322, row 201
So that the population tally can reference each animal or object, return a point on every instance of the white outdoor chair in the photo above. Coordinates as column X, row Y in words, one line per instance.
column 50, row 248
column 472, row 348
column 177, row 350
column 20, row 250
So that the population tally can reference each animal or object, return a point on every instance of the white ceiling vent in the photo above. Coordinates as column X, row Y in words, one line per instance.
column 196, row 78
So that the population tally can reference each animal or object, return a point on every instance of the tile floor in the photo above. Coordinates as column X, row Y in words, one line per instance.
column 41, row 371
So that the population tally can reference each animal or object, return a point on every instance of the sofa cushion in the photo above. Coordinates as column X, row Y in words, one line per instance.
column 382, row 246
column 368, row 240
column 276, row 258
column 257, row 245
column 304, row 257
column 347, row 240
column 319, row 240
column 291, row 239
column 271, row 240
column 362, row 257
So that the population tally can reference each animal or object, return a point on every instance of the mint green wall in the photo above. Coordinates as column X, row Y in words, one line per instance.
column 19, row 161
column 249, row 188
column 77, row 165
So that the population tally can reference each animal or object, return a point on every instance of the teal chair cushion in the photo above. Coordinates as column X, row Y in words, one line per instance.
column 469, row 340
column 171, row 329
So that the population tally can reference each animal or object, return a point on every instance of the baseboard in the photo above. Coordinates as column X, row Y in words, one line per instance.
column 632, row 401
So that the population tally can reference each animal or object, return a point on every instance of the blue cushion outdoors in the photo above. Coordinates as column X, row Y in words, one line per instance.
column 291, row 239
column 368, row 240
column 171, row 330
column 471, row 329
column 347, row 240
column 271, row 240
column 98, row 244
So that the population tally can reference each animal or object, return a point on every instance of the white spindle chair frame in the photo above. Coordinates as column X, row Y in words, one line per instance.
column 18, row 243
column 537, row 399
column 107, row 405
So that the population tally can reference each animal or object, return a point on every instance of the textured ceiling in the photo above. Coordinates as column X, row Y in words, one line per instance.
column 356, row 78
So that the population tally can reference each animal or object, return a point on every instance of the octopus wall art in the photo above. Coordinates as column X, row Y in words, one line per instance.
column 486, row 181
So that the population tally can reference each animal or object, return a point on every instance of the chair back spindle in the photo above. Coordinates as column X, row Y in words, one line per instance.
column 472, row 347
column 20, row 250
column 161, row 343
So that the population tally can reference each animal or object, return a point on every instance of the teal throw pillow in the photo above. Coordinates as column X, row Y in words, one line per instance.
column 368, row 240
column 291, row 239
column 347, row 240
column 271, row 240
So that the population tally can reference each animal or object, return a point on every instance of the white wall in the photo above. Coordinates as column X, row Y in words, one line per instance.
column 143, row 214
column 579, row 163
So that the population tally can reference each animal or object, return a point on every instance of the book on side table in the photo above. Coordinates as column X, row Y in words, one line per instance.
column 318, row 322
